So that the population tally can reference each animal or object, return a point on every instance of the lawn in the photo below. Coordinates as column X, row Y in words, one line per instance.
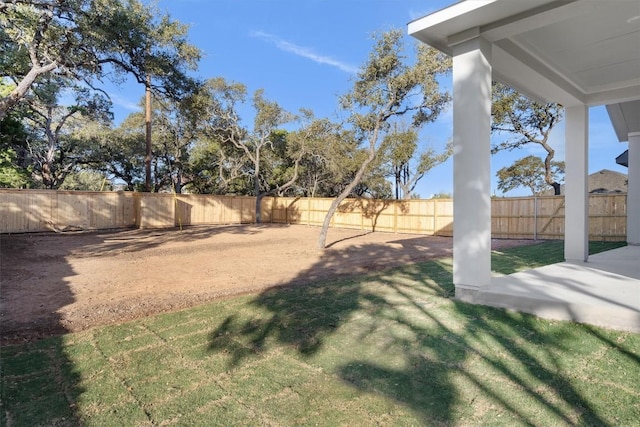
column 389, row 348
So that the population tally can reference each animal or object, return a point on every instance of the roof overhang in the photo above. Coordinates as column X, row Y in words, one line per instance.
column 625, row 118
column 569, row 51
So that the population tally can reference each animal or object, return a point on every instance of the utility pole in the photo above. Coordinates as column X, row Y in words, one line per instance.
column 147, row 158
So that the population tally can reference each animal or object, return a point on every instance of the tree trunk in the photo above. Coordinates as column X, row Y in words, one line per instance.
column 47, row 176
column 548, row 177
column 256, row 188
column 397, row 176
column 259, row 197
column 322, row 240
column 9, row 101
column 405, row 182
column 178, row 183
column 147, row 120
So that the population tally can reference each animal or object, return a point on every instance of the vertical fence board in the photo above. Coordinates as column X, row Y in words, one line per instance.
column 157, row 211
column 444, row 218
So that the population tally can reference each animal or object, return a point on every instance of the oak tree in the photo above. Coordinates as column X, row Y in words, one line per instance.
column 91, row 40
column 528, row 172
column 52, row 147
column 388, row 88
column 407, row 163
column 525, row 122
column 253, row 144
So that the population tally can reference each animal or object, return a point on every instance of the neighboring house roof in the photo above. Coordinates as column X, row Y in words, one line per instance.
column 607, row 181
column 604, row 181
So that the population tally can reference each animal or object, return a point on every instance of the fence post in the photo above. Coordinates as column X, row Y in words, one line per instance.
column 287, row 205
column 535, row 217
column 435, row 217
column 395, row 216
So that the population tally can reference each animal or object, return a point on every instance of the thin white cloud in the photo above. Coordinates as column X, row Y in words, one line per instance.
column 124, row 103
column 68, row 97
column 304, row 52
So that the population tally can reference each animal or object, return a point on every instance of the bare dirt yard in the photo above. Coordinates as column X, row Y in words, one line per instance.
column 56, row 283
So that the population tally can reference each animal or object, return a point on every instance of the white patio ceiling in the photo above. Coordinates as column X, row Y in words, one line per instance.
column 572, row 51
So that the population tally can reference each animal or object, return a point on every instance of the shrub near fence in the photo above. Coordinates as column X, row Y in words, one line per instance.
column 512, row 218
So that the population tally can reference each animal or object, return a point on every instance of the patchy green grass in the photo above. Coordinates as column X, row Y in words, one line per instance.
column 384, row 349
column 548, row 252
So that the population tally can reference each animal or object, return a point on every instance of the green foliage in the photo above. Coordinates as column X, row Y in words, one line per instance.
column 73, row 46
column 213, row 169
column 11, row 174
column 53, row 150
column 176, row 126
column 15, row 169
column 388, row 87
column 442, row 196
column 5, row 87
column 330, row 156
column 528, row 172
column 86, row 180
column 91, row 40
column 401, row 146
column 116, row 153
column 265, row 154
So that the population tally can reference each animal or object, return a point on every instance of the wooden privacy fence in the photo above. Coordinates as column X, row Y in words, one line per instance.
column 512, row 218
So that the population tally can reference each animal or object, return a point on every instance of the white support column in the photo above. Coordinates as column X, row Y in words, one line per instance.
column 471, row 166
column 576, row 216
column 633, row 190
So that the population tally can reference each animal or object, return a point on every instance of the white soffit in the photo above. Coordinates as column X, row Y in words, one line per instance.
column 568, row 51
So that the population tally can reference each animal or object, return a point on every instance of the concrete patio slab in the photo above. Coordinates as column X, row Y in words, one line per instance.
column 605, row 291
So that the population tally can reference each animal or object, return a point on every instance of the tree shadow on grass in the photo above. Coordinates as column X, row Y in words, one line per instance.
column 395, row 334
column 39, row 385
column 308, row 309
column 440, row 357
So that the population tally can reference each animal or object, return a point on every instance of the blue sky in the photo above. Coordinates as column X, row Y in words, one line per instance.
column 305, row 53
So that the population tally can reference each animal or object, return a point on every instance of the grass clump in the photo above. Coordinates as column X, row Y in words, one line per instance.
column 384, row 349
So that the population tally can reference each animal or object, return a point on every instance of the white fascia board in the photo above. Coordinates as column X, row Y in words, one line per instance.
column 435, row 29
